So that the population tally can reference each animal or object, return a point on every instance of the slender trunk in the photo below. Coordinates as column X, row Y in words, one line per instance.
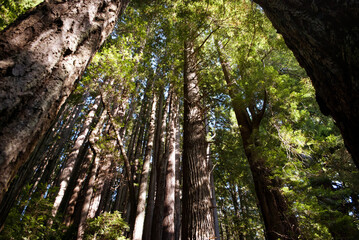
column 129, row 174
column 41, row 57
column 213, row 195
column 197, row 222
column 178, row 183
column 92, row 175
column 75, row 193
column 73, row 157
column 52, row 157
column 152, row 186
column 141, row 203
column 161, row 163
column 168, row 226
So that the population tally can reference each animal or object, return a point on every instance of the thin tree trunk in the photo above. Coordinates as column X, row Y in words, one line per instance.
column 197, row 217
column 168, row 226
column 178, row 183
column 73, row 157
column 41, row 57
column 92, row 175
column 161, row 163
column 141, row 203
column 152, row 186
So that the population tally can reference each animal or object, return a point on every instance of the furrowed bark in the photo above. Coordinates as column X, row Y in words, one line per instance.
column 197, row 217
column 324, row 37
column 41, row 57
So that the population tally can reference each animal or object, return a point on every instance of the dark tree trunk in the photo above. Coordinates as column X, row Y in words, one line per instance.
column 324, row 37
column 197, row 217
column 41, row 57
column 90, row 183
column 279, row 224
column 161, row 163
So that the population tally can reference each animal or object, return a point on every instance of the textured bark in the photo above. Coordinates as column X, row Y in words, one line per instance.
column 33, row 168
column 168, row 225
column 41, row 57
column 324, row 37
column 197, row 217
column 141, row 203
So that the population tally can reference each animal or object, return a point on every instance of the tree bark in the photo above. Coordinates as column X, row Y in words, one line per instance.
column 168, row 225
column 153, row 177
column 67, row 171
column 141, row 203
column 41, row 57
column 94, row 156
column 324, row 37
column 161, row 164
column 197, row 217
column 279, row 224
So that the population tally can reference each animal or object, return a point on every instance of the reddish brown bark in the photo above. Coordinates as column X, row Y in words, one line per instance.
column 197, row 217
column 41, row 56
column 324, row 37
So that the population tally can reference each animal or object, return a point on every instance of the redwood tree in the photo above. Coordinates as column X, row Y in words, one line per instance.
column 324, row 37
column 42, row 54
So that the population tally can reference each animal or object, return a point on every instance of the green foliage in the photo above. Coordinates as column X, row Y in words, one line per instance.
column 30, row 219
column 11, row 9
column 108, row 226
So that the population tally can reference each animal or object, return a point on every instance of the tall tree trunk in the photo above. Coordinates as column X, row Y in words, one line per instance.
column 153, row 177
column 168, row 226
column 161, row 163
column 141, row 203
column 41, row 57
column 36, row 163
column 94, row 156
column 197, row 217
column 178, row 183
column 278, row 222
column 73, row 157
column 324, row 37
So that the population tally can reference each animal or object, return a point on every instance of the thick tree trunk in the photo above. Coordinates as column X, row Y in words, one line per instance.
column 324, row 37
column 141, row 203
column 41, row 57
column 197, row 217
